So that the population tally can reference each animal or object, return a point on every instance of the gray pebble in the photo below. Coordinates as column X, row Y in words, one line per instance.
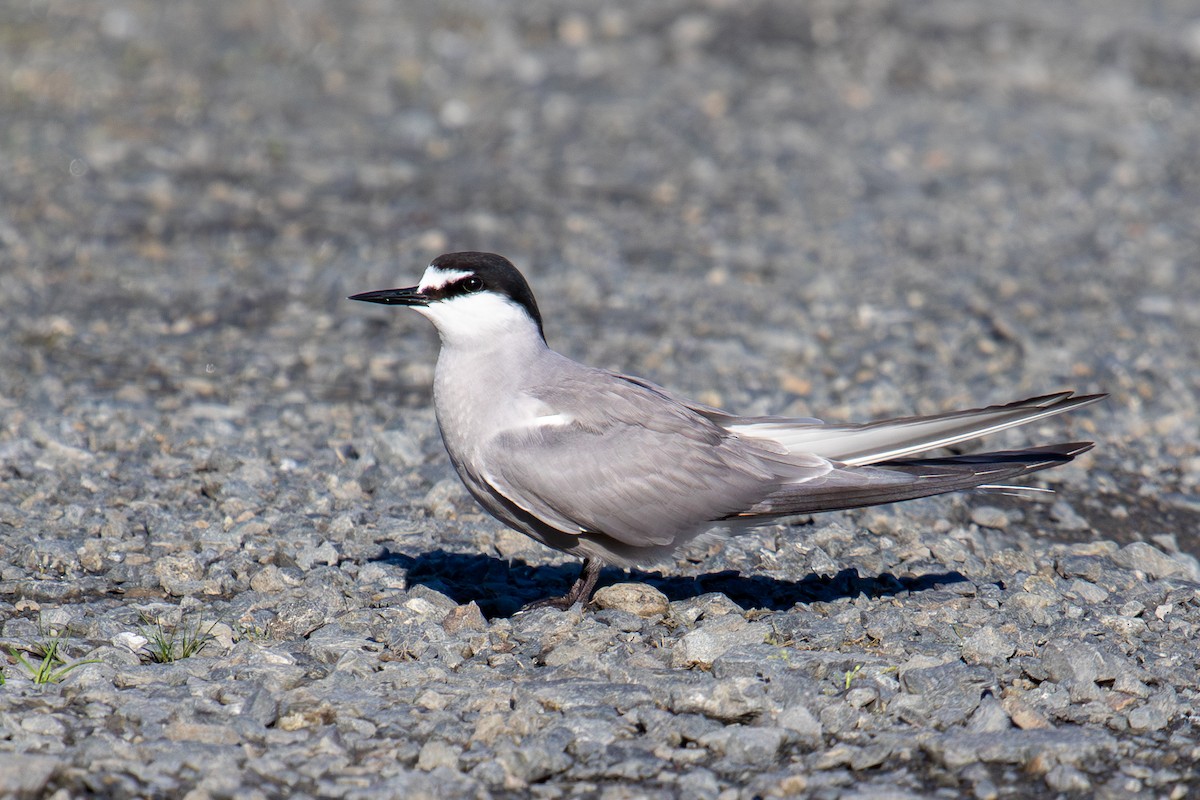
column 987, row 646
column 750, row 746
column 730, row 700
column 1147, row 718
column 1152, row 561
column 1067, row 746
column 436, row 753
column 989, row 717
column 180, row 574
column 1086, row 591
column 399, row 448
column 1066, row 517
column 26, row 774
column 714, row 637
column 635, row 598
column 989, row 517
column 1066, row 778
column 801, row 722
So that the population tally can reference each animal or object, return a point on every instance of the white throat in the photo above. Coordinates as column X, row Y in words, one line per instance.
column 483, row 321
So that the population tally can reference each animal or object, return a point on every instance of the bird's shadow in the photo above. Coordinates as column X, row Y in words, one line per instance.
column 501, row 588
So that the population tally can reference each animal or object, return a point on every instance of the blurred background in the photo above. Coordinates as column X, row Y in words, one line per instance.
column 843, row 209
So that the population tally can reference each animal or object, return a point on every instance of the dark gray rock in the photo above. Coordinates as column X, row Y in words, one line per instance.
column 27, row 775
column 987, row 646
column 1152, row 561
column 1069, row 746
column 729, row 700
column 564, row 695
column 714, row 637
column 952, row 686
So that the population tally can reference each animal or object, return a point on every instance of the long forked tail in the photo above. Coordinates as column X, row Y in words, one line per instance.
column 888, row 440
column 907, row 479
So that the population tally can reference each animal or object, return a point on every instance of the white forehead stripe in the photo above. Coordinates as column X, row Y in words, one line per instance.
column 435, row 278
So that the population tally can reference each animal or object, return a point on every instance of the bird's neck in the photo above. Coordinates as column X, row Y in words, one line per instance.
column 478, row 390
column 486, row 369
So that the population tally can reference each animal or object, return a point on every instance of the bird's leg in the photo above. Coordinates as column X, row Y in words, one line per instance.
column 580, row 590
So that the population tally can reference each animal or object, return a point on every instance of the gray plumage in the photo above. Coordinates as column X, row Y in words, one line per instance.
column 618, row 470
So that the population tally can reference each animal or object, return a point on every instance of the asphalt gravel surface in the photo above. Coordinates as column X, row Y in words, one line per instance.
column 235, row 561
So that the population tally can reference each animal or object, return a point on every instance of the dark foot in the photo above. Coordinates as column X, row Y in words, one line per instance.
column 580, row 590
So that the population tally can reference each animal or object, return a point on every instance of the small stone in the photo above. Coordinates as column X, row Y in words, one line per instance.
column 273, row 580
column 204, row 733
column 43, row 725
column 468, row 618
column 1067, row 518
column 377, row 574
column 443, row 499
column 1147, row 718
column 436, row 753
column 55, row 621
column 429, row 603
column 987, row 646
column 731, row 700
column 133, row 642
column 698, row 783
column 706, row 606
column 564, row 695
column 1150, row 560
column 399, row 449
column 862, row 696
column 1065, row 778
column 310, row 555
column 990, row 717
column 956, row 749
column 577, row 655
column 636, row 598
column 986, row 790
column 180, row 574
column 24, row 775
column 989, row 517
column 510, row 544
column 820, row 563
column 538, row 757
column 1126, row 627
column 1081, row 662
column 1087, row 591
column 1089, row 568
column 707, row 643
column 949, row 693
column 1022, row 714
column 800, row 720
column 1166, row 700
column 1134, row 608
column 842, row 718
column 755, row 746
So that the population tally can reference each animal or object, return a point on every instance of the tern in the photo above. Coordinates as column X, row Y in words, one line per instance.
column 617, row 470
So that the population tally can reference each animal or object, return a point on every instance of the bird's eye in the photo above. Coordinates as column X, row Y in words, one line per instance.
column 473, row 284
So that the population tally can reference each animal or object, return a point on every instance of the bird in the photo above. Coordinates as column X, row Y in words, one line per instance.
column 620, row 471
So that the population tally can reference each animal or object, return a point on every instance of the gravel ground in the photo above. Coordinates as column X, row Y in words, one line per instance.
column 848, row 209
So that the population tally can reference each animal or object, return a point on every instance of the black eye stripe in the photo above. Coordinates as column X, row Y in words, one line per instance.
column 468, row 285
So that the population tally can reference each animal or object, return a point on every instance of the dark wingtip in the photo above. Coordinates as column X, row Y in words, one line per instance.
column 1072, row 449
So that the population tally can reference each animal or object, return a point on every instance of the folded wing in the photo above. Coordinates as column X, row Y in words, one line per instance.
column 873, row 442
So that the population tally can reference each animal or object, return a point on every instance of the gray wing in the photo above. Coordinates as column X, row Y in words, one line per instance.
column 875, row 442
column 633, row 464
